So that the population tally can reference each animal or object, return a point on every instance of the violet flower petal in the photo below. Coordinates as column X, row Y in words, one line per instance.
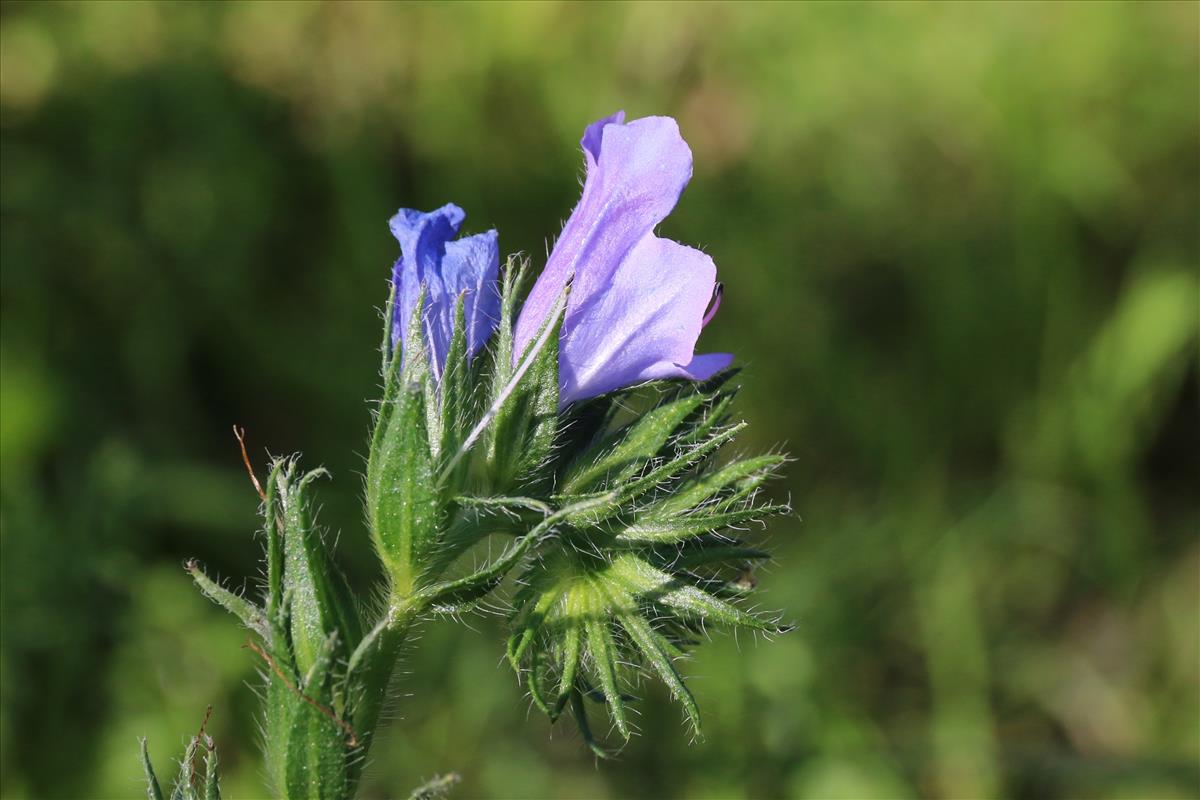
column 637, row 302
column 472, row 265
column 644, row 325
column 446, row 268
column 636, row 173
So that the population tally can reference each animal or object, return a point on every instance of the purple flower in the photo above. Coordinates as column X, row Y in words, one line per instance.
column 637, row 302
column 447, row 268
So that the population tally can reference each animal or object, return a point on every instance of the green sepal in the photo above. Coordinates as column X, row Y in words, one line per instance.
column 455, row 397
column 514, row 274
column 525, row 407
column 273, row 531
column 675, row 594
column 402, row 494
column 153, row 789
column 184, row 788
column 317, row 751
column 251, row 615
column 657, row 652
column 706, row 553
column 212, row 778
column 660, row 473
column 572, row 651
column 585, row 729
column 627, row 451
column 320, row 601
column 603, row 653
column 659, row 529
column 736, row 480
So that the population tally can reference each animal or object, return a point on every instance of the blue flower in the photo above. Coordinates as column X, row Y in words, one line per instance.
column 638, row 302
column 447, row 268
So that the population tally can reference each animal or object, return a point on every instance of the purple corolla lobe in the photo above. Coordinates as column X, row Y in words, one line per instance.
column 637, row 302
column 446, row 267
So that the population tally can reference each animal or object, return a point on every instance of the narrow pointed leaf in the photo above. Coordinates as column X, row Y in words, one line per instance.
column 585, row 730
column 651, row 646
column 709, row 485
column 533, row 681
column 184, row 788
column 251, row 615
column 604, row 658
column 713, row 417
column 522, row 430
column 715, row 553
column 571, row 650
column 657, row 586
column 455, row 388
column 272, row 529
column 321, row 604
column 614, row 502
column 402, row 498
column 675, row 529
column 153, row 789
column 630, row 449
column 321, row 666
column 681, row 462
column 316, row 749
column 212, row 780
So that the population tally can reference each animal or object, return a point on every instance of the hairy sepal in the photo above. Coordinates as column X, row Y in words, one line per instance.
column 306, row 628
column 519, row 439
column 403, row 503
column 617, row 590
column 190, row 784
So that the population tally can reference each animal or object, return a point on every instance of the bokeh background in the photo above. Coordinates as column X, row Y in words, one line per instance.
column 960, row 246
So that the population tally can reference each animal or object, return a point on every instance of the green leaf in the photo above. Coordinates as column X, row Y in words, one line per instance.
column 455, row 391
column 585, row 730
column 212, row 780
column 656, row 652
column 720, row 412
column 572, row 648
column 273, row 530
column 681, row 462
column 251, row 615
column 745, row 475
column 652, row 584
column 618, row 500
column 368, row 674
column 712, row 553
column 184, row 788
column 603, row 654
column 524, row 407
column 316, row 757
column 658, row 530
column 311, row 685
column 402, row 497
column 279, row 709
column 153, row 789
column 321, row 603
column 627, row 452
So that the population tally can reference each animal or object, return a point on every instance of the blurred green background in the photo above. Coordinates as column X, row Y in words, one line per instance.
column 960, row 249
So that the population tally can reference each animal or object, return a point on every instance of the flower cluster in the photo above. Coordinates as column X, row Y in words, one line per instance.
column 580, row 429
column 637, row 302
